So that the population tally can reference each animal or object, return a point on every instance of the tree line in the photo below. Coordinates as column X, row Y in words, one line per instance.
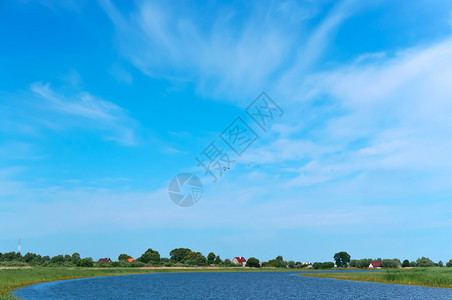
column 182, row 257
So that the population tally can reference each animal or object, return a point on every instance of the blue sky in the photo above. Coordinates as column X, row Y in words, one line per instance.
column 103, row 103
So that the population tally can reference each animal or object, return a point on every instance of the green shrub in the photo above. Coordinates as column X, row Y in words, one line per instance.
column 13, row 264
column 137, row 264
column 324, row 265
column 86, row 262
column 253, row 263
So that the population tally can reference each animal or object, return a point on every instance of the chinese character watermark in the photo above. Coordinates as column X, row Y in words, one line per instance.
column 263, row 110
column 239, row 136
column 214, row 161
column 186, row 189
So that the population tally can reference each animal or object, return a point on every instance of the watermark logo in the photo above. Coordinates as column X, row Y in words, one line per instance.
column 185, row 189
column 263, row 110
column 239, row 136
column 214, row 160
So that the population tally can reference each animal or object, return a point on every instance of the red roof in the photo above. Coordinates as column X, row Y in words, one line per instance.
column 376, row 264
column 240, row 259
column 131, row 259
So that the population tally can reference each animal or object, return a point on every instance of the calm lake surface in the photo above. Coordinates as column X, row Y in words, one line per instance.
column 224, row 285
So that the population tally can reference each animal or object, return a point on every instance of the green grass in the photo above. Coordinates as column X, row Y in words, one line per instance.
column 11, row 279
column 429, row 277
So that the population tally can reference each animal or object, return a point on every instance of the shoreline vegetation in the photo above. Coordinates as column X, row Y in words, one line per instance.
column 427, row 277
column 17, row 270
column 13, row 278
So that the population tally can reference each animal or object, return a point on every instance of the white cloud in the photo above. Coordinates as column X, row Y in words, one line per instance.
column 396, row 109
column 112, row 120
column 315, row 45
column 234, row 57
column 369, row 57
column 224, row 205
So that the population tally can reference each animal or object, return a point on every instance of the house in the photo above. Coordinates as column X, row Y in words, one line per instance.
column 239, row 260
column 104, row 260
column 375, row 264
column 131, row 260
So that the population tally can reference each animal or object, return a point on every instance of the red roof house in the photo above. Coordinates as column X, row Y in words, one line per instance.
column 131, row 260
column 239, row 260
column 104, row 260
column 375, row 264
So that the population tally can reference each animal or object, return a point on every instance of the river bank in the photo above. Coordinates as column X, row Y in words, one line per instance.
column 428, row 277
column 230, row 284
column 13, row 278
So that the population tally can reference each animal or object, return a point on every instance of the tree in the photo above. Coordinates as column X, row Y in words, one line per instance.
column 124, row 257
column 150, row 256
column 440, row 264
column 195, row 258
column 424, row 262
column 390, row 263
column 278, row 262
column 291, row 264
column 253, row 263
column 218, row 260
column 342, row 259
column 211, row 258
column 29, row 257
column 324, row 265
column 406, row 263
column 75, row 259
column 227, row 262
column 179, row 254
column 86, row 262
column 58, row 259
column 10, row 256
column 360, row 263
column 449, row 263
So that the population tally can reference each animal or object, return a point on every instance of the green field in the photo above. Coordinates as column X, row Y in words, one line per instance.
column 430, row 277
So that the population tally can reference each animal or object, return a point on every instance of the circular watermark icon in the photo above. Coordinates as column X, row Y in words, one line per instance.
column 185, row 189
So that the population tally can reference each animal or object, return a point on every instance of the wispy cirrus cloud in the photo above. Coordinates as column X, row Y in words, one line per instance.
column 45, row 107
column 355, row 118
column 83, row 105
column 236, row 56
column 389, row 114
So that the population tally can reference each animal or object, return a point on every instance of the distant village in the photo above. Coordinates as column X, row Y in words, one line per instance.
column 184, row 257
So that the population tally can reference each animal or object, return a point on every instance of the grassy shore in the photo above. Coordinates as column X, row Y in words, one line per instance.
column 429, row 277
column 14, row 278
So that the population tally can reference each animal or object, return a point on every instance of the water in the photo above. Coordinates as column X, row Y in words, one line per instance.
column 230, row 285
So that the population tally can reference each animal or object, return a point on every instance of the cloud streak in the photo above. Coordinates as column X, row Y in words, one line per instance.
column 87, row 111
column 235, row 57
